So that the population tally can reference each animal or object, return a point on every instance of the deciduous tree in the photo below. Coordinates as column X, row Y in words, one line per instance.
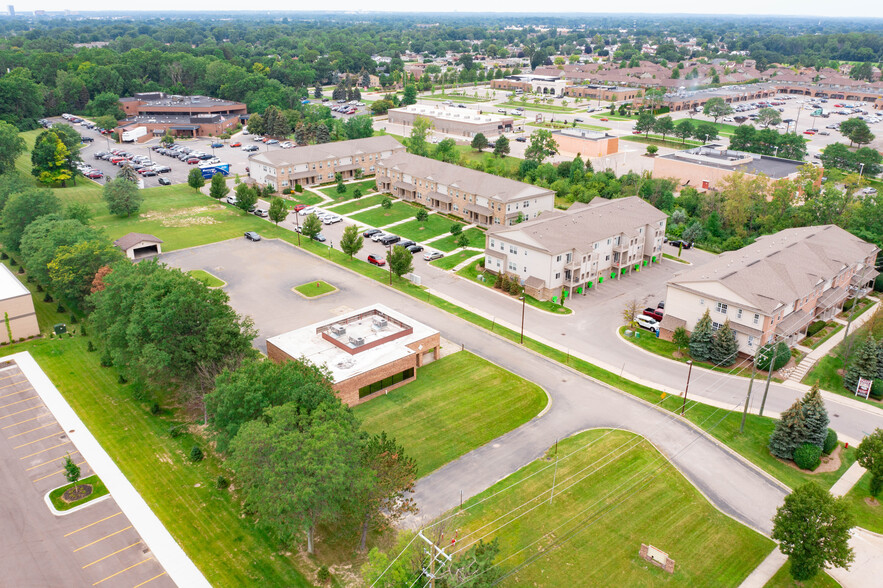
column 417, row 141
column 870, row 457
column 195, row 179
column 218, row 188
column 716, row 108
column 401, row 261
column 351, row 242
column 11, row 146
column 246, row 196
column 22, row 209
column 541, row 146
column 311, row 226
column 277, row 211
column 73, row 268
column 122, row 197
column 645, row 123
column 501, row 146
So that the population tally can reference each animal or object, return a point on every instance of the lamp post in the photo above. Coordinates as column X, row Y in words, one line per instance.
column 297, row 222
column 523, row 299
column 861, row 169
column 687, row 387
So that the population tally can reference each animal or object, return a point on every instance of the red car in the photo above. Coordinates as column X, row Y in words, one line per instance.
column 605, row 119
column 193, row 160
column 95, row 175
column 299, row 207
column 236, row 144
column 376, row 260
column 809, row 132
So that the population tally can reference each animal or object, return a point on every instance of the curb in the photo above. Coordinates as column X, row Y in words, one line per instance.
column 61, row 513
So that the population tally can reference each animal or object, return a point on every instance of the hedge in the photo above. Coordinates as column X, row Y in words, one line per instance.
column 808, row 456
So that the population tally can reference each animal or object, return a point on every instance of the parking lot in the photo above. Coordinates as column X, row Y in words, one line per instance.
column 95, row 545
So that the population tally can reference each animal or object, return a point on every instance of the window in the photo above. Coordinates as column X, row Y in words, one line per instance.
column 524, row 269
column 526, row 204
column 750, row 341
column 492, row 243
column 558, row 258
column 738, row 313
column 512, row 266
column 715, row 326
column 386, row 382
column 756, row 319
column 557, row 275
column 721, row 308
column 513, row 249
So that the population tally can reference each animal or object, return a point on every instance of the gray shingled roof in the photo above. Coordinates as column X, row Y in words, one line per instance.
column 462, row 178
column 127, row 241
column 583, row 224
column 781, row 268
column 324, row 151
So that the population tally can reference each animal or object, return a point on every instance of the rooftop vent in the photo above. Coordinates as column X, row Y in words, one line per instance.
column 338, row 329
column 357, row 341
column 379, row 322
column 345, row 363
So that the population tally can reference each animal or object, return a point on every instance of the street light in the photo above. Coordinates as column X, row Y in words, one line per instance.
column 523, row 299
column 861, row 170
column 689, row 371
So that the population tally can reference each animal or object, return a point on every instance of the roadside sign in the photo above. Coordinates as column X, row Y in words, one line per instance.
column 863, row 389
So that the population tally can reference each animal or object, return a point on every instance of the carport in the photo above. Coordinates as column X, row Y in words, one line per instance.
column 139, row 245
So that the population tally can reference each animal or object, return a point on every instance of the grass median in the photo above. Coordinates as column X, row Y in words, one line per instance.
column 365, row 186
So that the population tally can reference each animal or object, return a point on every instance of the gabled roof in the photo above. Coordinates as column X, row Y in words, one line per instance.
column 778, row 269
column 324, row 151
column 127, row 241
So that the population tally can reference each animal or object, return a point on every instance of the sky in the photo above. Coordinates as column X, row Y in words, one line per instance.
column 852, row 8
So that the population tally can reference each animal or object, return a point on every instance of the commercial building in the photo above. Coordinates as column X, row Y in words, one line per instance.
column 585, row 143
column 474, row 196
column 462, row 122
column 775, row 287
column 704, row 167
column 368, row 352
column 576, row 250
column 603, row 93
column 548, row 85
column 17, row 308
column 181, row 116
column 317, row 164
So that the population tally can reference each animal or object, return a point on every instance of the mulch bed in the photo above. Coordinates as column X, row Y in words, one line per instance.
column 76, row 493
column 830, row 463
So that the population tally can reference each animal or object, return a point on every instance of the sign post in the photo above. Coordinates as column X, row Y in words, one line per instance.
column 863, row 389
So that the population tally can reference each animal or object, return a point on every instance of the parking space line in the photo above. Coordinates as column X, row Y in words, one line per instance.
column 35, row 440
column 20, row 422
column 143, row 561
column 10, row 376
column 19, row 401
column 14, row 384
column 32, row 430
column 28, row 389
column 47, row 449
column 112, row 554
column 49, row 461
column 93, row 524
column 102, row 539
column 150, row 580
column 56, row 472
column 41, row 405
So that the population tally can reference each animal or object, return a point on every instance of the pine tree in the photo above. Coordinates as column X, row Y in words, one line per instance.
column 724, row 347
column 702, row 339
column 789, row 433
column 815, row 417
column 863, row 365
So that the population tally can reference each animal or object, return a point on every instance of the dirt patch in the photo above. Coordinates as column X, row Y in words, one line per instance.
column 186, row 217
column 78, row 492
column 830, row 463
column 872, row 502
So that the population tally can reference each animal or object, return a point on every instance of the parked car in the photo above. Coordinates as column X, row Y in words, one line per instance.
column 869, row 191
column 165, row 182
column 521, row 139
column 654, row 313
column 415, row 249
column 320, row 238
column 94, row 175
column 193, row 160
column 678, row 243
column 431, row 255
column 299, row 207
column 236, row 144
column 651, row 324
column 378, row 236
column 387, row 240
column 86, row 139
column 306, row 211
column 252, row 236
column 330, row 219
column 272, row 142
column 262, row 212
column 379, row 262
column 370, row 233
column 406, row 244
column 217, row 145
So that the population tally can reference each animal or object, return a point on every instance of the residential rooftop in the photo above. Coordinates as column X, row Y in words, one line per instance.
column 720, row 157
column 326, row 151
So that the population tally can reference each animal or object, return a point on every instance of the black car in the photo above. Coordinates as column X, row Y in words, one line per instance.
column 390, row 239
column 252, row 236
column 86, row 139
column 415, row 249
column 406, row 244
column 521, row 139
column 320, row 238
column 678, row 243
column 370, row 233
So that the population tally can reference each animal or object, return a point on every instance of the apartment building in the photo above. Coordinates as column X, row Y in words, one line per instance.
column 573, row 251
column 462, row 122
column 317, row 164
column 775, row 287
column 474, row 196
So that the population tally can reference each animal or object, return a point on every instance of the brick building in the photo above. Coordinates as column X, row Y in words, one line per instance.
column 182, row 116
column 462, row 122
column 586, row 143
column 368, row 352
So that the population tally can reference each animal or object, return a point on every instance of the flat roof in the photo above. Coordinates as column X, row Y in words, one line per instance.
column 463, row 115
column 172, row 119
column 728, row 159
column 355, row 343
column 583, row 134
column 10, row 286
column 162, row 99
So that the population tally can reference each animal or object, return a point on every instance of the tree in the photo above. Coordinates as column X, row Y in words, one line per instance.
column 654, row 98
column 857, row 131
column 400, row 261
column 652, row 150
column 702, row 338
column 863, row 365
column 684, row 129
column 417, row 143
column 542, row 145
column 21, row 210
column 385, row 498
column 12, row 145
column 195, row 179
column 768, row 117
column 122, row 197
column 73, row 268
column 246, row 196
column 812, row 528
column 724, row 347
column 50, row 160
column 815, row 417
column 705, row 132
column 218, row 188
column 630, row 313
column 681, row 338
column 243, row 394
column 311, row 226
column 386, row 203
column 71, row 470
column 790, row 432
column 501, row 146
column 475, row 568
column 479, row 142
column 870, row 457
column 109, row 123
column 716, row 108
column 664, row 126
column 422, row 215
column 446, row 151
column 43, row 237
column 646, row 122
column 462, row 240
column 298, row 470
column 167, row 139
column 128, row 172
column 409, row 96
column 351, row 242
column 277, row 211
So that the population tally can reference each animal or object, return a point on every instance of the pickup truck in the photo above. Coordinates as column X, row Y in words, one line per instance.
column 654, row 313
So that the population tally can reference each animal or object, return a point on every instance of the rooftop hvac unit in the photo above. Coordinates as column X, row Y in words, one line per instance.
column 379, row 322
column 338, row 329
column 357, row 341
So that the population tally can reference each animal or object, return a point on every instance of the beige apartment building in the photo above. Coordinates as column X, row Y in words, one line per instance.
column 775, row 287
column 704, row 167
column 317, row 164
column 16, row 307
column 462, row 122
column 573, row 251
column 474, row 196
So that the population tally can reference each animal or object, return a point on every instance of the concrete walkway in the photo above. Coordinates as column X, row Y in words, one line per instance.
column 766, row 570
column 167, row 552
column 849, row 479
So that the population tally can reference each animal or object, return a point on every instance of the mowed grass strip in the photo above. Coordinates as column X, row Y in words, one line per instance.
column 457, row 404
column 449, row 243
column 613, row 504
column 306, row 197
column 433, row 226
column 206, row 278
column 867, row 516
column 449, row 262
column 357, row 204
column 366, row 186
column 312, row 289
column 379, row 217
column 783, row 579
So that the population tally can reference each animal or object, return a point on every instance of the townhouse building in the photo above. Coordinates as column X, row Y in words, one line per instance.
column 774, row 288
column 570, row 252
column 474, row 196
column 318, row 164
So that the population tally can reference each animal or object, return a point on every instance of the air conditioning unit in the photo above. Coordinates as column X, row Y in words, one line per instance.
column 379, row 322
column 338, row 329
column 357, row 341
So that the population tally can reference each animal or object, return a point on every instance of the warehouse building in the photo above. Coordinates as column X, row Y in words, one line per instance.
column 462, row 122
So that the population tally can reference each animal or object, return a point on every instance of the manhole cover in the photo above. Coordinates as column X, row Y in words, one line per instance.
column 836, row 415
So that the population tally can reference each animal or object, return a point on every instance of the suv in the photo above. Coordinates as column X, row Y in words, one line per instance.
column 389, row 240
column 645, row 322
column 378, row 261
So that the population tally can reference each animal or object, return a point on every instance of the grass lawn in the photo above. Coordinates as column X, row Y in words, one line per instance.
column 608, row 116
column 675, row 258
column 529, row 105
column 437, row 419
column 557, row 125
column 98, row 490
column 859, row 309
column 829, row 331
column 827, row 372
column 509, row 164
column 601, row 514
column 448, row 262
column 205, row 521
column 453, row 98
column 433, row 226
column 783, row 579
column 356, row 204
column 366, row 186
column 306, row 197
column 473, row 272
column 313, row 289
column 206, row 278
column 379, row 217
column 449, row 243
column 866, row 516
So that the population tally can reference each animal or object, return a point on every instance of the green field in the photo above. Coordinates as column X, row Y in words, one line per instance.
column 357, row 204
column 449, row 243
column 529, row 105
column 306, row 197
column 866, row 516
column 603, row 509
column 659, row 142
column 313, row 289
column 433, row 226
column 437, row 419
column 472, row 271
column 206, row 278
column 449, row 262
column 367, row 187
column 557, row 125
column 98, row 490
column 783, row 579
column 379, row 217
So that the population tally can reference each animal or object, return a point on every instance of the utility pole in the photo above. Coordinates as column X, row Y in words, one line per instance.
column 769, row 375
column 748, row 397
column 523, row 303
column 689, row 371
column 846, row 332
column 434, row 553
